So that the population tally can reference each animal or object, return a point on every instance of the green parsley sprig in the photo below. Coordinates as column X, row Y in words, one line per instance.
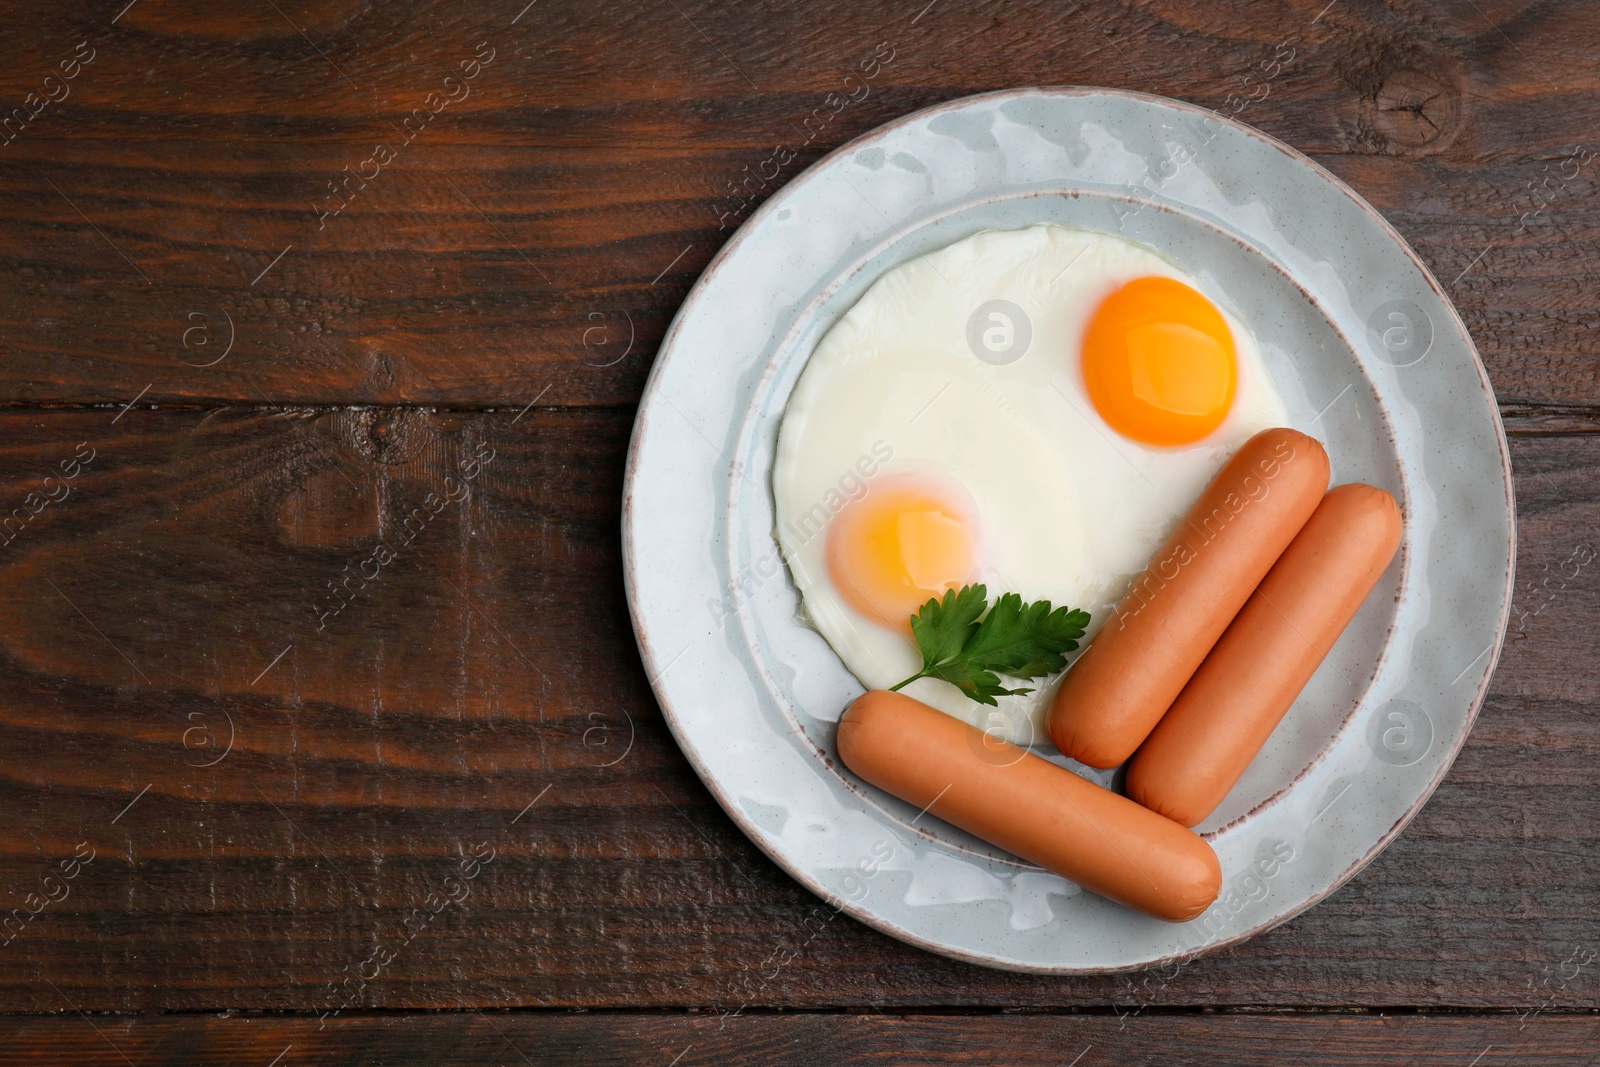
column 1015, row 639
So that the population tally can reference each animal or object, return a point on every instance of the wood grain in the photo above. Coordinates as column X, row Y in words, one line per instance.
column 462, row 1040
column 491, row 665
column 535, row 237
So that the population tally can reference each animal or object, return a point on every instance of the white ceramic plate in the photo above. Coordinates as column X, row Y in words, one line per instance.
column 1360, row 340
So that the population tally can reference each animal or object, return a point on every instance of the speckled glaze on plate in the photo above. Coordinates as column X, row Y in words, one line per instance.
column 1358, row 336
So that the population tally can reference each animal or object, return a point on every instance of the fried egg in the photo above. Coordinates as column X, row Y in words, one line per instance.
column 1032, row 409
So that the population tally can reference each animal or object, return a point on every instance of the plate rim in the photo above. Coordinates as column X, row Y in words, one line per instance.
column 654, row 670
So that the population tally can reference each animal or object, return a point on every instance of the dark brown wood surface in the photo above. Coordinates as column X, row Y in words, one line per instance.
column 290, row 807
column 468, row 1039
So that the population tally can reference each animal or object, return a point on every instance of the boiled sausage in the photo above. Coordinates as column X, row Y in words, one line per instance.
column 1029, row 806
column 1143, row 656
column 1267, row 655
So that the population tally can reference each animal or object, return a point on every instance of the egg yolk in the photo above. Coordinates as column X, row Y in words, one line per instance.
column 893, row 549
column 1159, row 363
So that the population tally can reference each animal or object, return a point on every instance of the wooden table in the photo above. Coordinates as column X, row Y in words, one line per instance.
column 323, row 735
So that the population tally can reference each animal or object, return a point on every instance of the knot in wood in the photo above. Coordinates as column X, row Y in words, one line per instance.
column 390, row 436
column 1414, row 109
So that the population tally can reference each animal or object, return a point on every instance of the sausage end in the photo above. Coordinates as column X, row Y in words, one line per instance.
column 1163, row 798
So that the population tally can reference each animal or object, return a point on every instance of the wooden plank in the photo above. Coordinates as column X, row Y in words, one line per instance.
column 170, row 599
column 692, row 1040
column 534, row 238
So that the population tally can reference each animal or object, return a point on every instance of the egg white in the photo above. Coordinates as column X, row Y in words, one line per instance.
column 1069, row 510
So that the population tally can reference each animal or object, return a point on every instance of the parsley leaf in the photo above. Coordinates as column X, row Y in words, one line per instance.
column 1015, row 639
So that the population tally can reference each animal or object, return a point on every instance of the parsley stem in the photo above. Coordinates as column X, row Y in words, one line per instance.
column 908, row 681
